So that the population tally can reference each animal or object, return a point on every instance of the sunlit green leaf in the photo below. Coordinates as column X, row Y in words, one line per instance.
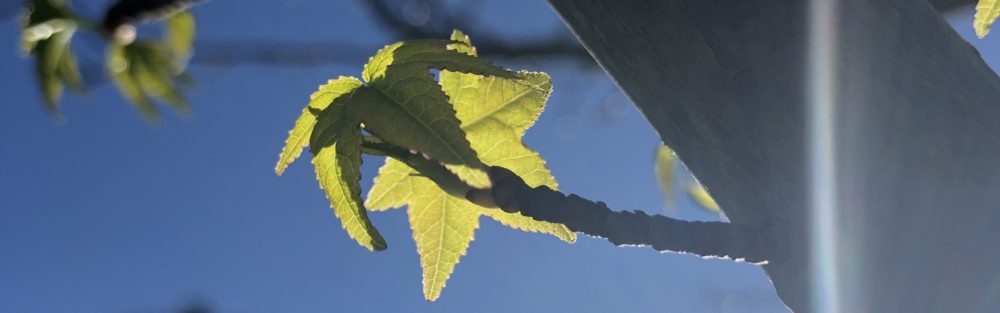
column 298, row 137
column 336, row 146
column 701, row 196
column 494, row 112
column 430, row 53
column 410, row 109
column 393, row 187
column 419, row 117
column 987, row 12
column 333, row 134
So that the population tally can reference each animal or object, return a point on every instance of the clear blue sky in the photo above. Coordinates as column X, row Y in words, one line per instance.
column 105, row 213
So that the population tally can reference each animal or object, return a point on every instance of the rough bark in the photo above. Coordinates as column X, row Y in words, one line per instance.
column 723, row 82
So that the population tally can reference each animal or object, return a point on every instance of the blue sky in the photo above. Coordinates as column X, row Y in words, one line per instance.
column 105, row 213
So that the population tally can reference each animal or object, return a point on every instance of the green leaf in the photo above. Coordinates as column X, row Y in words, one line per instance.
column 393, row 187
column 298, row 137
column 987, row 12
column 703, row 198
column 43, row 19
column 409, row 108
column 333, row 132
column 46, row 64
column 180, row 32
column 664, row 169
column 429, row 53
column 156, row 76
column 124, row 77
column 69, row 71
column 494, row 112
column 46, row 32
column 417, row 115
column 143, row 71
column 336, row 146
column 461, row 43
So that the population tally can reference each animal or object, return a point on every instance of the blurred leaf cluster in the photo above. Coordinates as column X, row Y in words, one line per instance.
column 143, row 69
column 46, row 31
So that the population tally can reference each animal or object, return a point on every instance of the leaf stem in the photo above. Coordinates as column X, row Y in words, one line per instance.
column 448, row 181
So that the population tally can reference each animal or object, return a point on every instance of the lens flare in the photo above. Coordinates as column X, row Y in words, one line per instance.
column 822, row 168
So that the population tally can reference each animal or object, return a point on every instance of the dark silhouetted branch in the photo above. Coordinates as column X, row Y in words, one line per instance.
column 486, row 43
column 130, row 11
column 511, row 194
column 279, row 53
column 706, row 239
column 304, row 54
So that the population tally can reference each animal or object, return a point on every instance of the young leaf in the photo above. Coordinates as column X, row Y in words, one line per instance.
column 298, row 137
column 987, row 12
column 336, row 147
column 495, row 113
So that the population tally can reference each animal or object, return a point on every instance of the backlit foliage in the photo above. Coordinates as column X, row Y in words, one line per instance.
column 473, row 116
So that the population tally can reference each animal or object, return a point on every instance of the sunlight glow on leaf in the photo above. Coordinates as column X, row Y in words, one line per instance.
column 987, row 12
column 702, row 197
column 495, row 112
column 298, row 137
